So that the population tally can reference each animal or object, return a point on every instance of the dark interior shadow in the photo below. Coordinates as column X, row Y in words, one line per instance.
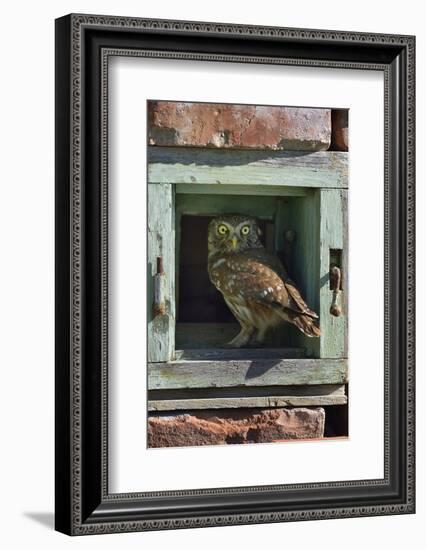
column 47, row 519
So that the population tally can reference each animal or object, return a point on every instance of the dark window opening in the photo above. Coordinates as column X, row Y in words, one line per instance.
column 289, row 227
column 199, row 300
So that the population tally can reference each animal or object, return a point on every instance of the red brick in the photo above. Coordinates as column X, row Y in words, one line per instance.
column 238, row 126
column 228, row 426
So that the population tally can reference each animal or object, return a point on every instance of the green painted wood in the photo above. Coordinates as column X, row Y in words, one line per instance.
column 257, row 190
column 178, row 240
column 319, row 221
column 202, row 205
column 301, row 217
column 323, row 169
column 260, row 372
column 161, row 242
column 333, row 235
column 304, row 219
column 345, row 270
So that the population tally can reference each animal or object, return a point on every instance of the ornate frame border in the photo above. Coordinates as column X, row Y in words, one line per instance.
column 84, row 505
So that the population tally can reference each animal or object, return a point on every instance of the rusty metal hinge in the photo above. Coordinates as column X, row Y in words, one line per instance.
column 335, row 285
column 159, row 306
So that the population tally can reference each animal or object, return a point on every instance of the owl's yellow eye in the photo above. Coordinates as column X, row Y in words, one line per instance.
column 222, row 229
column 245, row 230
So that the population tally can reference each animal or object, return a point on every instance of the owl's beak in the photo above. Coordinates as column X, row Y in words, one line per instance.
column 234, row 242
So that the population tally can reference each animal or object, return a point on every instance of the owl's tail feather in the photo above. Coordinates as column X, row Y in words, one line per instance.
column 306, row 325
column 303, row 322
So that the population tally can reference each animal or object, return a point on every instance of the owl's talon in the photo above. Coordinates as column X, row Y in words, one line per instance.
column 240, row 340
column 229, row 345
column 258, row 339
column 249, row 345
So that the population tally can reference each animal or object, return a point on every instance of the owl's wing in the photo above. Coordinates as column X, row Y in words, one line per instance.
column 294, row 299
column 260, row 277
column 298, row 300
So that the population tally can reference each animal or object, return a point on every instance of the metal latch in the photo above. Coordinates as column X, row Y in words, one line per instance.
column 335, row 285
column 159, row 306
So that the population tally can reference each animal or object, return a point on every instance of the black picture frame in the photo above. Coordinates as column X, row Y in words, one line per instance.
column 83, row 46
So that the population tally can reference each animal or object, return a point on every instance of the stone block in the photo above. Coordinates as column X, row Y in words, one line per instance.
column 238, row 126
column 226, row 426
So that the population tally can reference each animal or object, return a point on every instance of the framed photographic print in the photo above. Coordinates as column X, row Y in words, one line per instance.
column 234, row 274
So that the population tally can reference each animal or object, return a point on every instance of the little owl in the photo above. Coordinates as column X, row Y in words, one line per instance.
column 253, row 282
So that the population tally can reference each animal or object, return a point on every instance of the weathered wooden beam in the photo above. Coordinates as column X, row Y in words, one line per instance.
column 257, row 372
column 246, row 402
column 238, row 354
column 256, row 190
column 333, row 251
column 161, row 235
column 325, row 169
column 223, row 398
